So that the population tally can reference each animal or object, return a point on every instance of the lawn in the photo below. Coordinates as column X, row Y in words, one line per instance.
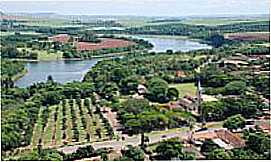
column 215, row 124
column 173, row 130
column 185, row 89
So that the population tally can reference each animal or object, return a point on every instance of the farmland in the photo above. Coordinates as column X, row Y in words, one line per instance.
column 219, row 21
column 249, row 36
column 105, row 43
column 68, row 123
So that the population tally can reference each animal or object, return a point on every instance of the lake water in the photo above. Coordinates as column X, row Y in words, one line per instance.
column 184, row 45
column 175, row 43
column 61, row 71
column 66, row 71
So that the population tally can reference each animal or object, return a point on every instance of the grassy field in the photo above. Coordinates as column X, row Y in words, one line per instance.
column 23, row 33
column 153, row 36
column 168, row 131
column 218, row 21
column 215, row 124
column 134, row 22
column 52, row 135
column 44, row 55
column 45, row 22
column 185, row 89
column 144, row 21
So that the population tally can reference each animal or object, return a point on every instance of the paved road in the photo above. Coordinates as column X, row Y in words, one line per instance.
column 134, row 140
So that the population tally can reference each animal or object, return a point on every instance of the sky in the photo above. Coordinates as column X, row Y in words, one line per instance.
column 139, row 7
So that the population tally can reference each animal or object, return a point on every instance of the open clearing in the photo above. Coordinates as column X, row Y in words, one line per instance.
column 185, row 89
column 44, row 55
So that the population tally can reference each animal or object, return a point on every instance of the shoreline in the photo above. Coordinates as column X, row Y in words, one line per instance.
column 19, row 75
column 76, row 59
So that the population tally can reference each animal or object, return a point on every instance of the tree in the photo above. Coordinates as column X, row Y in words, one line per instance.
column 109, row 90
column 213, row 110
column 136, row 106
column 133, row 154
column 9, row 51
column 103, row 153
column 43, row 155
column 169, row 51
column 219, row 154
column 89, row 36
column 119, row 73
column 157, row 90
column 208, row 146
column 50, row 78
column 51, row 98
column 245, row 154
column 235, row 122
column 216, row 40
column 170, row 149
column 259, row 142
column 129, row 85
column 173, row 94
column 81, row 152
column 189, row 156
column 235, row 88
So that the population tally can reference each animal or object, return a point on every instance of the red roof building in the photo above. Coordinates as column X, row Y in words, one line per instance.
column 62, row 38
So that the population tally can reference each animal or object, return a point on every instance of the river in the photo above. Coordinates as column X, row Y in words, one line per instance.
column 67, row 71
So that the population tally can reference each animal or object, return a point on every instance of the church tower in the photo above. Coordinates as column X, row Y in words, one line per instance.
column 198, row 105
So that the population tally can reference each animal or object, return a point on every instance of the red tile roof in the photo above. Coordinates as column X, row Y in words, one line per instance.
column 62, row 38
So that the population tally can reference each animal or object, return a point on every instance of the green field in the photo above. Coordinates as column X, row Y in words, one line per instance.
column 44, row 55
column 22, row 33
column 153, row 36
column 185, row 89
column 218, row 21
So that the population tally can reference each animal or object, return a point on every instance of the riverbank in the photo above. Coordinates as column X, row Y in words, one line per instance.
column 19, row 75
column 79, row 59
column 160, row 36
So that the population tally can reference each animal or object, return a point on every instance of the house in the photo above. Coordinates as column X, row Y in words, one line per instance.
column 62, row 38
column 265, row 127
column 221, row 137
column 230, row 138
column 180, row 73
